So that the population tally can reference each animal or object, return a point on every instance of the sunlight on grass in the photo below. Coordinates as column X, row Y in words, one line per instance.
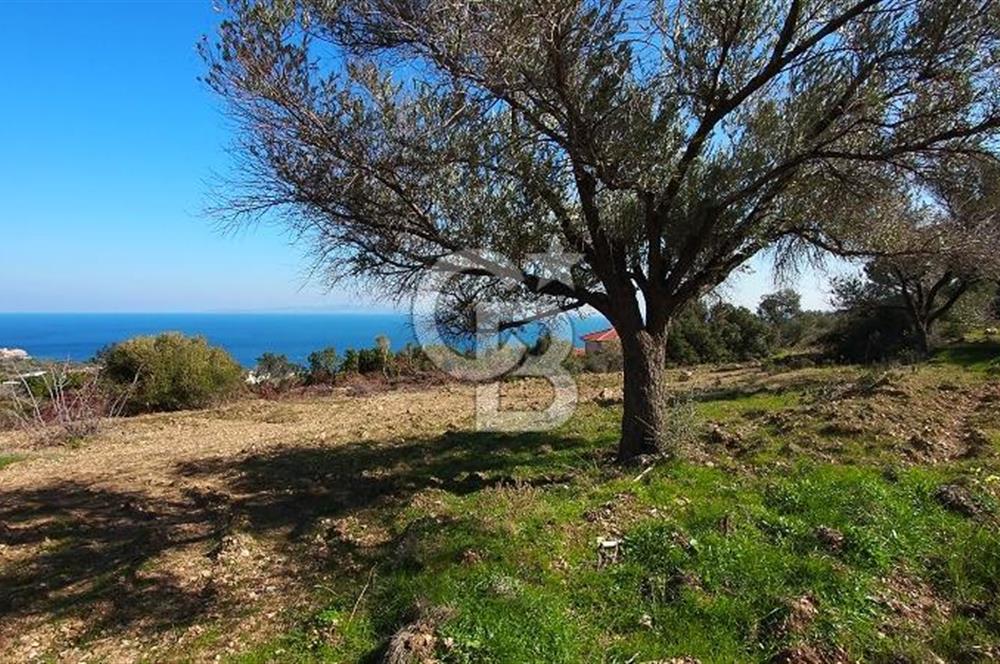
column 980, row 357
column 709, row 562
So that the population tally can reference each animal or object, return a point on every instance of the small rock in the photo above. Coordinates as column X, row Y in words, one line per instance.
column 609, row 396
column 412, row 644
column 957, row 499
column 471, row 557
column 608, row 551
column 720, row 436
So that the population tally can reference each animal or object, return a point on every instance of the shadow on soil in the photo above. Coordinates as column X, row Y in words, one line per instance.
column 89, row 553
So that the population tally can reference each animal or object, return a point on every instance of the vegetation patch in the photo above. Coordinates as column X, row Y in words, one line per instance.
column 8, row 459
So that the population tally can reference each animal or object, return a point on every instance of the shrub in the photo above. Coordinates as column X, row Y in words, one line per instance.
column 607, row 360
column 722, row 333
column 412, row 360
column 869, row 334
column 323, row 365
column 351, row 361
column 64, row 403
column 277, row 372
column 172, row 372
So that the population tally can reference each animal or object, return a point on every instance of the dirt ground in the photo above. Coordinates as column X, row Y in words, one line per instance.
column 122, row 548
column 167, row 531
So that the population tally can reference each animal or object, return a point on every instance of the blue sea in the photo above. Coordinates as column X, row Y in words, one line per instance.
column 246, row 336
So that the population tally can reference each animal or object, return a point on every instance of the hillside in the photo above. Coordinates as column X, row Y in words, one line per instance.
column 815, row 515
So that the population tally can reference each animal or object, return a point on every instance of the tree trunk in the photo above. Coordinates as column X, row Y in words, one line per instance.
column 923, row 340
column 644, row 416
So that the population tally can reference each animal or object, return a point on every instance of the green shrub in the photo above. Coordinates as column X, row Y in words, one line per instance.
column 172, row 372
column 323, row 365
column 720, row 333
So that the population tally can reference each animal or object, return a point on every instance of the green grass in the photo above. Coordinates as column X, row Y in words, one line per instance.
column 733, row 404
column 981, row 356
column 8, row 459
column 712, row 555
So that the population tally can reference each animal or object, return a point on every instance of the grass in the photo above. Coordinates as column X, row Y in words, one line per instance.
column 711, row 561
column 978, row 356
column 799, row 521
column 8, row 459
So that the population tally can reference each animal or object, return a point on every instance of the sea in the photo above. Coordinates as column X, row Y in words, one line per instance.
column 78, row 336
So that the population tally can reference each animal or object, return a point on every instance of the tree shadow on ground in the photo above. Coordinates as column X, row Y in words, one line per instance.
column 90, row 553
column 289, row 488
column 85, row 548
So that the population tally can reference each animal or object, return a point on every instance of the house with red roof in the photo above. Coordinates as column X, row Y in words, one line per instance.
column 595, row 342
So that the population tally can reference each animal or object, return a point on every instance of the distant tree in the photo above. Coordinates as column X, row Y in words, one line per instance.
column 277, row 370
column 719, row 333
column 384, row 349
column 664, row 143
column 412, row 359
column 323, row 366
column 869, row 327
column 946, row 247
column 352, row 362
column 782, row 310
column 742, row 335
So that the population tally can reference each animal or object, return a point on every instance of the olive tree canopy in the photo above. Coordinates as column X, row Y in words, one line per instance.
column 944, row 245
column 665, row 142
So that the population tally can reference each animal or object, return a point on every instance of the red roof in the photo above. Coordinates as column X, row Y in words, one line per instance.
column 609, row 334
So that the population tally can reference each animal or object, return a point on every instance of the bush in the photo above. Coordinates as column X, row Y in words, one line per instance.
column 868, row 335
column 63, row 403
column 607, row 360
column 172, row 372
column 412, row 360
column 377, row 359
column 277, row 372
column 722, row 333
column 323, row 365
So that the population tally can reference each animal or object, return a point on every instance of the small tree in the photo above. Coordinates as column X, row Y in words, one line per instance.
column 384, row 348
column 663, row 143
column 277, row 371
column 323, row 366
column 782, row 310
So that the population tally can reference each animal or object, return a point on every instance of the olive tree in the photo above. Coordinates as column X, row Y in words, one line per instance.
column 944, row 246
column 665, row 143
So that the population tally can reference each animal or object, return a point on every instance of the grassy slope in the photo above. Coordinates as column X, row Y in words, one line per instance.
column 716, row 554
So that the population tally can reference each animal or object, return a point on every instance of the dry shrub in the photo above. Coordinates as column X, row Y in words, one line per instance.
column 683, row 427
column 69, row 403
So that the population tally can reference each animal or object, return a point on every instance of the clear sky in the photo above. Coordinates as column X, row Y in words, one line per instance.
column 108, row 146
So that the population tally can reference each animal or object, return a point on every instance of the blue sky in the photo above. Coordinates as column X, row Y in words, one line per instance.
column 108, row 146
